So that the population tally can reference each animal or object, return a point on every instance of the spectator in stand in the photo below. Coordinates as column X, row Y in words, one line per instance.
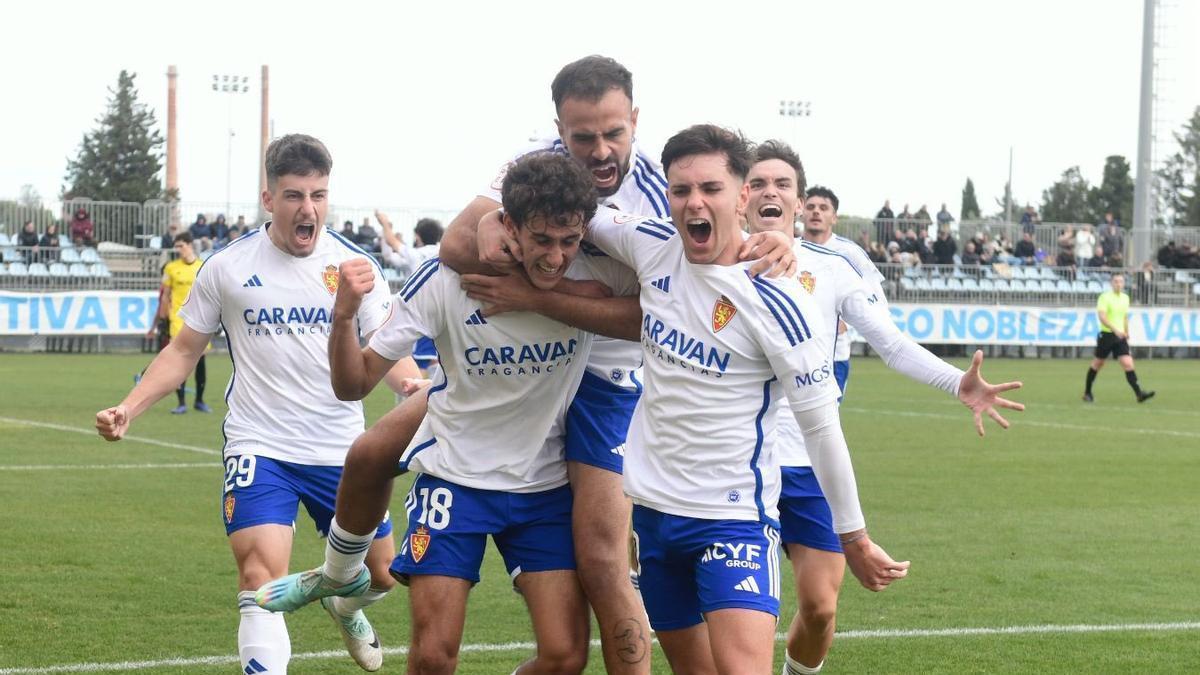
column 922, row 216
column 894, row 254
column 220, row 231
column 1143, row 283
column 864, row 241
column 969, row 255
column 1112, row 237
column 1085, row 245
column 367, row 238
column 427, row 237
column 28, row 236
column 924, row 246
column 168, row 238
column 1097, row 260
column 986, row 256
column 50, row 243
column 348, row 231
column 945, row 247
column 1166, row 255
column 885, row 222
column 1065, row 258
column 1187, row 257
column 905, row 218
column 83, row 231
column 907, row 239
column 944, row 219
column 1066, row 241
column 1030, row 219
column 877, row 253
column 202, row 234
column 1025, row 251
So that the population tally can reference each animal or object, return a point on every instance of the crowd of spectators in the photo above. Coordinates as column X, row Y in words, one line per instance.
column 1181, row 256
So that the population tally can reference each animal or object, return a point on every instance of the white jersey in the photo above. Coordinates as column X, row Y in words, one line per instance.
column 840, row 291
column 871, row 275
column 719, row 347
column 643, row 190
column 496, row 415
column 276, row 310
column 408, row 258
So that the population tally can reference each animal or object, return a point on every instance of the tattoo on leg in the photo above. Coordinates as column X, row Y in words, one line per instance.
column 630, row 641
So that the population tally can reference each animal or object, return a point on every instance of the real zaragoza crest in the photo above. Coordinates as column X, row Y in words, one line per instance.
column 723, row 313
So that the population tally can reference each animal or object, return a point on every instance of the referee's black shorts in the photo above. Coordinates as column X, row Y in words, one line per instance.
column 1108, row 343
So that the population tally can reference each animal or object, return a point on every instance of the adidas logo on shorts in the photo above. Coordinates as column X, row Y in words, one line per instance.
column 748, row 584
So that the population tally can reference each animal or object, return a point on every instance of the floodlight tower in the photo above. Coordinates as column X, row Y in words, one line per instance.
column 230, row 86
column 1143, row 194
column 795, row 109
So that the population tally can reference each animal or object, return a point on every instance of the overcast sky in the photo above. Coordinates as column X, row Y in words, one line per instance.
column 420, row 102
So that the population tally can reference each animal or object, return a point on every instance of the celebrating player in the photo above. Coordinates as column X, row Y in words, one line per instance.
column 842, row 291
column 481, row 472
column 286, row 434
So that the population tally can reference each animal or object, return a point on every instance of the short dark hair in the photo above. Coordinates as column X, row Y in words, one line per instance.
column 589, row 79
column 549, row 185
column 819, row 191
column 709, row 139
column 296, row 155
column 777, row 149
column 185, row 237
column 429, row 230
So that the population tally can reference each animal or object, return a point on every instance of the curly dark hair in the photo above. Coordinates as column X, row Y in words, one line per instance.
column 549, row 185
column 589, row 79
column 820, row 191
column 709, row 139
column 429, row 230
column 296, row 155
column 777, row 149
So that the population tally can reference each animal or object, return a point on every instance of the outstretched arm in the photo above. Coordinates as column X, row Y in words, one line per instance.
column 166, row 371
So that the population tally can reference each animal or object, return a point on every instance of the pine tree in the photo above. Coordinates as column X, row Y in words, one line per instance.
column 120, row 159
column 970, row 204
column 1179, row 179
column 1115, row 193
column 1067, row 200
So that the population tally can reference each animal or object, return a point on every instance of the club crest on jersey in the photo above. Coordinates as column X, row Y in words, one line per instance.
column 419, row 543
column 624, row 218
column 723, row 313
column 808, row 281
column 330, row 278
column 229, row 504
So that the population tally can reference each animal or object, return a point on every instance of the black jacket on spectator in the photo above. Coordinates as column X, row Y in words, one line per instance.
column 944, row 250
column 1025, row 249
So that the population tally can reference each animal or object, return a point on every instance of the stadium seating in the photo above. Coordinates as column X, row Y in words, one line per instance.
column 79, row 271
column 69, row 256
column 38, row 270
column 88, row 255
column 4, row 240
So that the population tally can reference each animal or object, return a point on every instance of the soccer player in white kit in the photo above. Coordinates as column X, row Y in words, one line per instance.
column 482, row 471
column 286, row 434
column 597, row 125
column 842, row 291
column 719, row 346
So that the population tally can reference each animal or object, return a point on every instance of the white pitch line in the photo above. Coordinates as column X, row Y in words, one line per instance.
column 1018, row 421
column 1048, row 629
column 89, row 467
column 92, row 432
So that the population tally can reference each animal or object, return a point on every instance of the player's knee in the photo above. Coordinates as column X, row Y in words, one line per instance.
column 369, row 452
column 819, row 614
column 253, row 575
column 432, row 658
column 565, row 657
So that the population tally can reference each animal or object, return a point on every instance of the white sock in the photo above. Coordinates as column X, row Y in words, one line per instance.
column 345, row 552
column 348, row 606
column 263, row 642
column 793, row 667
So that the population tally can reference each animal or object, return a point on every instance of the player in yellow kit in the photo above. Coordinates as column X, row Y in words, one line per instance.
column 177, row 280
column 1113, row 309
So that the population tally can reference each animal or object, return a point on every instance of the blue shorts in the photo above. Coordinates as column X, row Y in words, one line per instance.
column 448, row 526
column 804, row 515
column 425, row 353
column 841, row 373
column 690, row 566
column 265, row 491
column 598, row 421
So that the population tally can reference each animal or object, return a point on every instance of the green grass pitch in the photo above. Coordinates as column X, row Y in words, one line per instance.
column 1081, row 520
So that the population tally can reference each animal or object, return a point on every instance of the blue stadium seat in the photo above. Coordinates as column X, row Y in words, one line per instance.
column 1080, row 287
column 155, row 242
column 56, row 269
column 77, row 271
column 69, row 255
column 1001, row 285
column 955, row 284
column 38, row 269
column 971, row 284
column 3, row 270
column 1196, row 289
column 65, row 242
column 1016, row 285
column 938, row 284
column 1064, row 286
column 1048, row 286
column 1048, row 273
column 100, row 271
column 10, row 255
column 1095, row 287
column 88, row 255
column 907, row 284
column 923, row 284
column 986, row 284
column 18, row 269
column 4, row 240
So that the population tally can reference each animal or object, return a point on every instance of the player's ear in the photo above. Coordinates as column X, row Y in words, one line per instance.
column 633, row 120
column 743, row 198
column 510, row 225
column 267, row 201
column 559, row 125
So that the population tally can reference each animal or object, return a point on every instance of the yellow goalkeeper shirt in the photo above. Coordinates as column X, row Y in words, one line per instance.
column 178, row 277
